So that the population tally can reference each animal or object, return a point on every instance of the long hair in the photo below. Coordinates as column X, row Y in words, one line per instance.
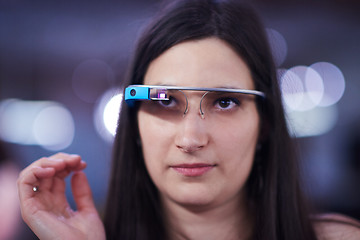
column 133, row 208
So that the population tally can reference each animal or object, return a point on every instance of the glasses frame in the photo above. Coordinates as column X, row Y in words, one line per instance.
column 142, row 92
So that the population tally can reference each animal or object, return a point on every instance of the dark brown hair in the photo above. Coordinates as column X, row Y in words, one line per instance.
column 133, row 208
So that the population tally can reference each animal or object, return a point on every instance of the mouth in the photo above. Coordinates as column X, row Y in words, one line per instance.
column 193, row 170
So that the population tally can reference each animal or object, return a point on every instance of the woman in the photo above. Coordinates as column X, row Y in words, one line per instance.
column 204, row 159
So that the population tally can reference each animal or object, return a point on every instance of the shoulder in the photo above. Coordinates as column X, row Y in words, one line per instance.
column 336, row 226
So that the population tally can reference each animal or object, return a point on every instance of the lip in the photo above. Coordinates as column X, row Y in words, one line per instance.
column 193, row 170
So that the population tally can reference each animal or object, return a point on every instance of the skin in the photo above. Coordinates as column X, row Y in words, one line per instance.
column 198, row 204
column 336, row 226
column 47, row 212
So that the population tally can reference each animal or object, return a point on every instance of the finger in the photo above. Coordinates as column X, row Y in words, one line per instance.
column 65, row 172
column 42, row 163
column 73, row 162
column 56, row 163
column 62, row 155
column 82, row 192
column 59, row 165
column 63, row 163
column 81, row 166
column 33, row 177
column 58, row 186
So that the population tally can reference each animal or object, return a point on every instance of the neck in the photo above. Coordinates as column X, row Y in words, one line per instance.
column 229, row 221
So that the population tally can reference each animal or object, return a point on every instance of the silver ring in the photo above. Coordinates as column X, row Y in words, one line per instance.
column 35, row 189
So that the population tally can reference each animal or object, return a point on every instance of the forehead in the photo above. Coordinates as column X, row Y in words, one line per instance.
column 208, row 62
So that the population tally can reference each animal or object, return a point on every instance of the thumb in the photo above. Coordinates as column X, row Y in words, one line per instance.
column 82, row 192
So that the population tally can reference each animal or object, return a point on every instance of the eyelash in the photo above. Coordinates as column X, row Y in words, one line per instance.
column 171, row 100
column 231, row 102
column 234, row 101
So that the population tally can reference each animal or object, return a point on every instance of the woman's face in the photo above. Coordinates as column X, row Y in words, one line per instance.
column 195, row 161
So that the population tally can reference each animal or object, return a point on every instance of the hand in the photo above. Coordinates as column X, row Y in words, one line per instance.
column 47, row 211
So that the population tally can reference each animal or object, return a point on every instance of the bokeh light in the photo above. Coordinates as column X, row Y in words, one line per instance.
column 107, row 113
column 292, row 90
column 310, row 95
column 54, row 128
column 278, row 46
column 308, row 85
column 111, row 113
column 45, row 123
column 334, row 82
column 314, row 122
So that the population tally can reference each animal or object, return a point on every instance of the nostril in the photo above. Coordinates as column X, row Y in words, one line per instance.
column 189, row 149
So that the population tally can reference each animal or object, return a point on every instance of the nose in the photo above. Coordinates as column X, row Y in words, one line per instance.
column 192, row 133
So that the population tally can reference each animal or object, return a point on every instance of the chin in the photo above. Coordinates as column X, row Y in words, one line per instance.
column 196, row 205
column 197, row 198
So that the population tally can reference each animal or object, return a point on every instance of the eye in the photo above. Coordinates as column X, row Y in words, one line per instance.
column 226, row 103
column 168, row 103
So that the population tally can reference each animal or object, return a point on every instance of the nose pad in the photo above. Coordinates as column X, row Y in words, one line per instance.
column 201, row 111
column 186, row 104
column 200, row 107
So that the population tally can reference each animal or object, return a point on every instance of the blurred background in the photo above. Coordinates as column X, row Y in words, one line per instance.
column 61, row 63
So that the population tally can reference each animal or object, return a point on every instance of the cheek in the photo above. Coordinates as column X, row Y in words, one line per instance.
column 236, row 145
column 239, row 138
column 238, row 152
column 155, row 140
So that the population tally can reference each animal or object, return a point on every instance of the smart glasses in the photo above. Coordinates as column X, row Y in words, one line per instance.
column 169, row 101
